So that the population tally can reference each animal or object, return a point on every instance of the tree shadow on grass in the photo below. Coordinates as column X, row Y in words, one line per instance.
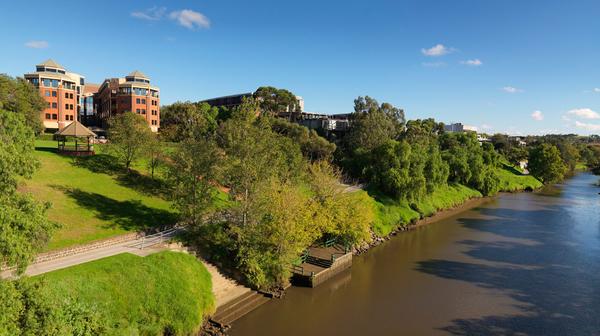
column 100, row 163
column 131, row 215
column 109, row 165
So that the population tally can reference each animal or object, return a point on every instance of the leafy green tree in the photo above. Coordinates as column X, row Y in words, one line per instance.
column 27, row 309
column 19, row 96
column 546, row 164
column 313, row 146
column 129, row 136
column 24, row 229
column 569, row 154
column 278, row 227
column 436, row 170
column 155, row 153
column 346, row 215
column 192, row 174
column 182, row 120
column 273, row 100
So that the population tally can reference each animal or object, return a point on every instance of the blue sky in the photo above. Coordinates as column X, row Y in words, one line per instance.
column 522, row 67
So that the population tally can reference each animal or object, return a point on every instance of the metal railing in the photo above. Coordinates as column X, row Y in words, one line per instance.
column 154, row 239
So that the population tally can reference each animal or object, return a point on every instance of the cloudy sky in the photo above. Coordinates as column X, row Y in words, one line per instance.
column 522, row 67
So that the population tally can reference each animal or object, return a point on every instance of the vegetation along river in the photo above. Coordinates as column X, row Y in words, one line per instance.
column 526, row 264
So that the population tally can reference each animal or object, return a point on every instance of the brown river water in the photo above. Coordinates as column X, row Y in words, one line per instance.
column 520, row 264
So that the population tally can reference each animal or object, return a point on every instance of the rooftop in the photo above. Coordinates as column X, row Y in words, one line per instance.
column 51, row 63
column 138, row 74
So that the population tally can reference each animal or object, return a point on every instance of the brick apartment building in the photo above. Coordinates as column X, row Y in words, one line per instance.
column 132, row 93
column 61, row 90
column 69, row 98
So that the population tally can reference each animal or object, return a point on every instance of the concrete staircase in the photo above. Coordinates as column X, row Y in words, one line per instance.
column 318, row 261
column 238, row 307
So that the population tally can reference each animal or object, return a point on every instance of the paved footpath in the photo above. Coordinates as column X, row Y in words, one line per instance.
column 80, row 258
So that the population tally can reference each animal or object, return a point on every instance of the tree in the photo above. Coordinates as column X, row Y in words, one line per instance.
column 19, row 96
column 182, row 120
column 129, row 136
column 193, row 175
column 273, row 100
column 546, row 164
column 155, row 154
column 24, row 229
column 313, row 146
column 26, row 308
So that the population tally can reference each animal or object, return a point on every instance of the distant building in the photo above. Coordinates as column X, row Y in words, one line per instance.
column 237, row 99
column 228, row 101
column 61, row 90
column 68, row 97
column 132, row 93
column 87, row 112
column 456, row 127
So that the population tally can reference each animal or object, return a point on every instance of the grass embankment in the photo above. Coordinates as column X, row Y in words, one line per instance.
column 140, row 295
column 393, row 213
column 92, row 198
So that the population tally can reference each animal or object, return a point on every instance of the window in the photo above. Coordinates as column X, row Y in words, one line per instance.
column 53, row 93
column 46, row 82
column 47, row 93
column 54, row 116
column 153, row 122
column 71, row 107
column 71, row 95
column 137, row 111
column 54, row 105
column 47, row 115
column 54, row 83
column 143, row 101
column 137, row 100
column 153, row 112
column 66, row 95
column 66, row 106
column 143, row 111
column 49, row 105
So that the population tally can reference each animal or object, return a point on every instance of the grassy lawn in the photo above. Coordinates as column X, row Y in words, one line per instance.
column 93, row 199
column 140, row 296
column 512, row 180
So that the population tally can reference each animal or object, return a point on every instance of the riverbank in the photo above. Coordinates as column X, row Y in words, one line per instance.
column 433, row 218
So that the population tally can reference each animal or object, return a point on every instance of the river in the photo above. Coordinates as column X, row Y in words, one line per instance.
column 520, row 264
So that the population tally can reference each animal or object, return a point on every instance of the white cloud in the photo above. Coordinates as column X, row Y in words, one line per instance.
column 537, row 115
column 586, row 126
column 584, row 113
column 37, row 44
column 597, row 90
column 433, row 64
column 151, row 14
column 511, row 89
column 190, row 19
column 473, row 62
column 437, row 50
column 486, row 127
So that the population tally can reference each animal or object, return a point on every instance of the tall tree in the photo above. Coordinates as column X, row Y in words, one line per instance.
column 546, row 164
column 129, row 136
column 19, row 96
column 24, row 229
column 182, row 120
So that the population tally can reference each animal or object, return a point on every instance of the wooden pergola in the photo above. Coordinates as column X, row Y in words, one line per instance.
column 78, row 132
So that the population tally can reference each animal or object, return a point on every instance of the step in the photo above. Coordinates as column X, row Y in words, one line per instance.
column 234, row 302
column 319, row 262
column 244, row 309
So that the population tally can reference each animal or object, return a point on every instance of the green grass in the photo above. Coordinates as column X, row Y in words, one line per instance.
column 140, row 296
column 92, row 199
column 392, row 213
column 512, row 180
